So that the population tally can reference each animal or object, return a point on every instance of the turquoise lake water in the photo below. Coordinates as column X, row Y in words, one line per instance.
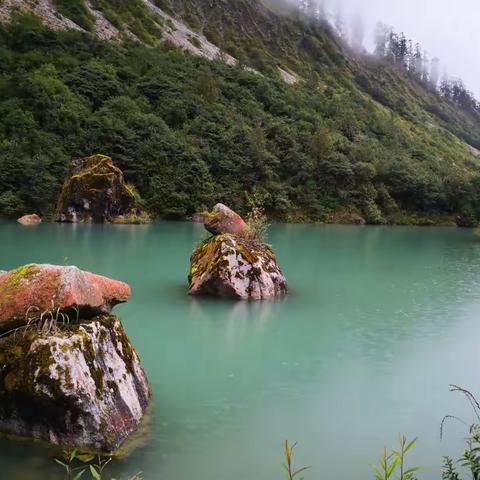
column 379, row 322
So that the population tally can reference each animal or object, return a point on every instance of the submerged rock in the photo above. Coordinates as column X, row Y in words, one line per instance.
column 222, row 220
column 94, row 191
column 29, row 291
column 80, row 385
column 28, row 220
column 233, row 266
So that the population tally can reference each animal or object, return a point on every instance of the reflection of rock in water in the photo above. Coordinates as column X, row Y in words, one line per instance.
column 236, row 318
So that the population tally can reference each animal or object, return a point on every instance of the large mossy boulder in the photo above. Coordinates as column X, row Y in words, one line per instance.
column 68, row 373
column 94, row 191
column 79, row 385
column 236, row 267
column 30, row 291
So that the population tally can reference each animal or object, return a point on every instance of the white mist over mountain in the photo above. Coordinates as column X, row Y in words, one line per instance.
column 447, row 29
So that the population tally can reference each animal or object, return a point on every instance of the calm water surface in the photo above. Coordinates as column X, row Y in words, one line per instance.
column 379, row 322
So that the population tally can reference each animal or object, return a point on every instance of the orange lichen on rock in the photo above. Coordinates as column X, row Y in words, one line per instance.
column 29, row 291
column 222, row 220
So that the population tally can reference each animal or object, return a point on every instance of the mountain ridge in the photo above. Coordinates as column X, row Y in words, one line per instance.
column 371, row 141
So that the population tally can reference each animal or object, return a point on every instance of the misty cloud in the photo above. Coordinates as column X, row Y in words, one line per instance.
column 447, row 29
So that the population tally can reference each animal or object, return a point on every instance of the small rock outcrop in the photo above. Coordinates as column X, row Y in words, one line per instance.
column 234, row 265
column 94, row 191
column 222, row 220
column 72, row 379
column 29, row 220
column 466, row 221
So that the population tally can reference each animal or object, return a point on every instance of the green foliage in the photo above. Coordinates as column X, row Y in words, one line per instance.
column 189, row 133
column 393, row 465
column 449, row 471
column 470, row 459
column 75, row 464
column 11, row 206
column 257, row 225
column 76, row 11
column 132, row 15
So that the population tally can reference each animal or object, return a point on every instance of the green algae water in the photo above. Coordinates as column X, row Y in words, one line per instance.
column 379, row 322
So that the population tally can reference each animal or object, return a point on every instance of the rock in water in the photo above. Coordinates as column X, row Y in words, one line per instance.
column 233, row 266
column 29, row 220
column 222, row 220
column 29, row 291
column 80, row 385
column 68, row 373
column 94, row 191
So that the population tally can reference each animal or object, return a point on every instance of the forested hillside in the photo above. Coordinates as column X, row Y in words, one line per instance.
column 354, row 137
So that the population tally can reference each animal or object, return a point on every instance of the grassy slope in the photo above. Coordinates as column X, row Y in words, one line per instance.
column 354, row 136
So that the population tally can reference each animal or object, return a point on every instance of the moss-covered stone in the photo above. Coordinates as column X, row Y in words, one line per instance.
column 80, row 385
column 234, row 266
column 94, row 191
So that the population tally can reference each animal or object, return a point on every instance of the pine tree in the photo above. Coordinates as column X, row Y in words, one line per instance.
column 445, row 86
column 417, row 61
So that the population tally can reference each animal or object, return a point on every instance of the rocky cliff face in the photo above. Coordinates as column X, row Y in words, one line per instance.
column 68, row 375
column 94, row 192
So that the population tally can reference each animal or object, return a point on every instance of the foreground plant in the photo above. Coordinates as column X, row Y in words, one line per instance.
column 91, row 464
column 288, row 465
column 393, row 465
column 470, row 459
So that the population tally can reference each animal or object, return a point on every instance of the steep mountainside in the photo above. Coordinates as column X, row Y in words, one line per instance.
column 201, row 101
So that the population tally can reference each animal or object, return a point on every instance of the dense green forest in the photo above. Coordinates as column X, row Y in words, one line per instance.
column 354, row 137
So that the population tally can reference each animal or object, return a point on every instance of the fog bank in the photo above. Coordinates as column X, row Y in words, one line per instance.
column 447, row 29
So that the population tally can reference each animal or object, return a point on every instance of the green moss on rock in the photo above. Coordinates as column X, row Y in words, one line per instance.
column 64, row 386
column 16, row 277
column 235, row 266
column 94, row 191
